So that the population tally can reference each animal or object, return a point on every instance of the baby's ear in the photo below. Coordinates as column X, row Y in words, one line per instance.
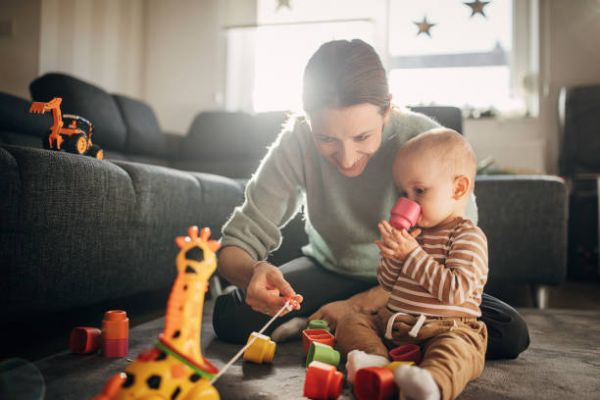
column 462, row 185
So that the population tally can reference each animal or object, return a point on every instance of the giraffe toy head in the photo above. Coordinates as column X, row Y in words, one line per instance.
column 196, row 256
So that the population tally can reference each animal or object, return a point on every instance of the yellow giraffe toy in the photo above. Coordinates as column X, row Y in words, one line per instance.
column 175, row 368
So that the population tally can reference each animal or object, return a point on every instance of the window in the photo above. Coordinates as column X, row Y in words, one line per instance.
column 266, row 63
column 483, row 64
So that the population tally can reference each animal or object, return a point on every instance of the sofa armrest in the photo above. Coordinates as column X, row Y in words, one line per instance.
column 525, row 220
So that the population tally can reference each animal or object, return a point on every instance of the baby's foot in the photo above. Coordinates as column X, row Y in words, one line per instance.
column 416, row 383
column 291, row 329
column 358, row 359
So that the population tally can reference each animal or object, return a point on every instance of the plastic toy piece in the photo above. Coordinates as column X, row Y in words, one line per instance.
column 374, row 383
column 316, row 335
column 395, row 364
column 175, row 367
column 324, row 353
column 115, row 334
column 406, row 352
column 404, row 214
column 294, row 301
column 262, row 350
column 84, row 340
column 322, row 382
column 75, row 139
column 318, row 324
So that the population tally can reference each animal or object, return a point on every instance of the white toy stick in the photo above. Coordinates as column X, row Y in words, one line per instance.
column 287, row 306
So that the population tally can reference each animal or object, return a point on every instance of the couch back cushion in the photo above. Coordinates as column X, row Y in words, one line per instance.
column 18, row 126
column 86, row 100
column 580, row 118
column 229, row 143
column 144, row 136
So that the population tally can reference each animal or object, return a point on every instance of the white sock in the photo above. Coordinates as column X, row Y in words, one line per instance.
column 358, row 359
column 416, row 383
column 291, row 329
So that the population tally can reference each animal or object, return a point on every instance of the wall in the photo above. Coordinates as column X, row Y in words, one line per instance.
column 181, row 59
column 97, row 41
column 20, row 51
column 569, row 55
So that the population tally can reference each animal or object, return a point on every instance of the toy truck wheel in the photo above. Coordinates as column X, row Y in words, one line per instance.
column 77, row 144
column 97, row 152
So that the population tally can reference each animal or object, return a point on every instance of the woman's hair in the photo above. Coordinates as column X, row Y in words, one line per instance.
column 343, row 73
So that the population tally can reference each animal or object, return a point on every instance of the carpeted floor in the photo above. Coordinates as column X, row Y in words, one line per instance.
column 563, row 362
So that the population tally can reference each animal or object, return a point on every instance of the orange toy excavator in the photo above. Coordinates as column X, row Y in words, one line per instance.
column 75, row 139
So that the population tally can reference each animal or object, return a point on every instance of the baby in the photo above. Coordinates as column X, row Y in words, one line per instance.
column 435, row 276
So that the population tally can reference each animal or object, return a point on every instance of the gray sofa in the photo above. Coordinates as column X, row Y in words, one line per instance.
column 76, row 231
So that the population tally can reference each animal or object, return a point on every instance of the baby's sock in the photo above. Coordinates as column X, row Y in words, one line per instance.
column 358, row 359
column 291, row 329
column 416, row 383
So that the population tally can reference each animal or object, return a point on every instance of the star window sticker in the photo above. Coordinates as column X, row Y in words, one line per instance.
column 284, row 3
column 424, row 26
column 477, row 7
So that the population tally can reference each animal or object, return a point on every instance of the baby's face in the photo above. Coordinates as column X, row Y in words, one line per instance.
column 423, row 180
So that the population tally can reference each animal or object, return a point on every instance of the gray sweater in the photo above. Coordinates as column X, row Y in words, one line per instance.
column 341, row 213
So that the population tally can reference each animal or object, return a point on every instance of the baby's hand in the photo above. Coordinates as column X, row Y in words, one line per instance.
column 395, row 244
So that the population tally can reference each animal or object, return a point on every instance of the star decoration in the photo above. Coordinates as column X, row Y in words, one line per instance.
column 477, row 7
column 283, row 3
column 424, row 26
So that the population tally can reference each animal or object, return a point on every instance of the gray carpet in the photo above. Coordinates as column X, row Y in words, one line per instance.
column 563, row 362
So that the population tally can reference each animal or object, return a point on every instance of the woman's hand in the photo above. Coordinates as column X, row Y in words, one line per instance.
column 268, row 291
column 395, row 244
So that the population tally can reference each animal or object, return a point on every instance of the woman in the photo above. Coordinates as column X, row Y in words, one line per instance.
column 335, row 162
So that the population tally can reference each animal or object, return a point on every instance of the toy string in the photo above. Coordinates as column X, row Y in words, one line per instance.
column 239, row 353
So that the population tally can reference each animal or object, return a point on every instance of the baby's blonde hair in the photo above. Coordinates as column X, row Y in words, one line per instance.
column 448, row 147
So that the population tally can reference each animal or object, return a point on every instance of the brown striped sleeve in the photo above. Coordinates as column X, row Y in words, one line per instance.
column 387, row 273
column 466, row 266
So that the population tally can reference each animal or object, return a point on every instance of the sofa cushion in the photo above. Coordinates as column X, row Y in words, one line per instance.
column 525, row 220
column 144, row 135
column 579, row 108
column 88, row 101
column 75, row 231
column 216, row 138
column 18, row 126
column 217, row 134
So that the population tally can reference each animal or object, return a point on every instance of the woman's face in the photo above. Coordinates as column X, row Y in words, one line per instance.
column 348, row 137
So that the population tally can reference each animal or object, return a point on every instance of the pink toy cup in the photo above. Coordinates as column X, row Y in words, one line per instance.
column 405, row 214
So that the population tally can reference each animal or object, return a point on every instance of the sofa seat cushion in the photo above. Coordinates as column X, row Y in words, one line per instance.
column 88, row 101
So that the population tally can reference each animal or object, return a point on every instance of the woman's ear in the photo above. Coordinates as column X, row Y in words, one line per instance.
column 388, row 112
column 462, row 185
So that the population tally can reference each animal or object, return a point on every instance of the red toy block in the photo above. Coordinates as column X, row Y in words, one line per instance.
column 115, row 348
column 374, row 383
column 316, row 335
column 323, row 381
column 404, row 214
column 406, row 352
column 84, row 340
column 115, row 334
